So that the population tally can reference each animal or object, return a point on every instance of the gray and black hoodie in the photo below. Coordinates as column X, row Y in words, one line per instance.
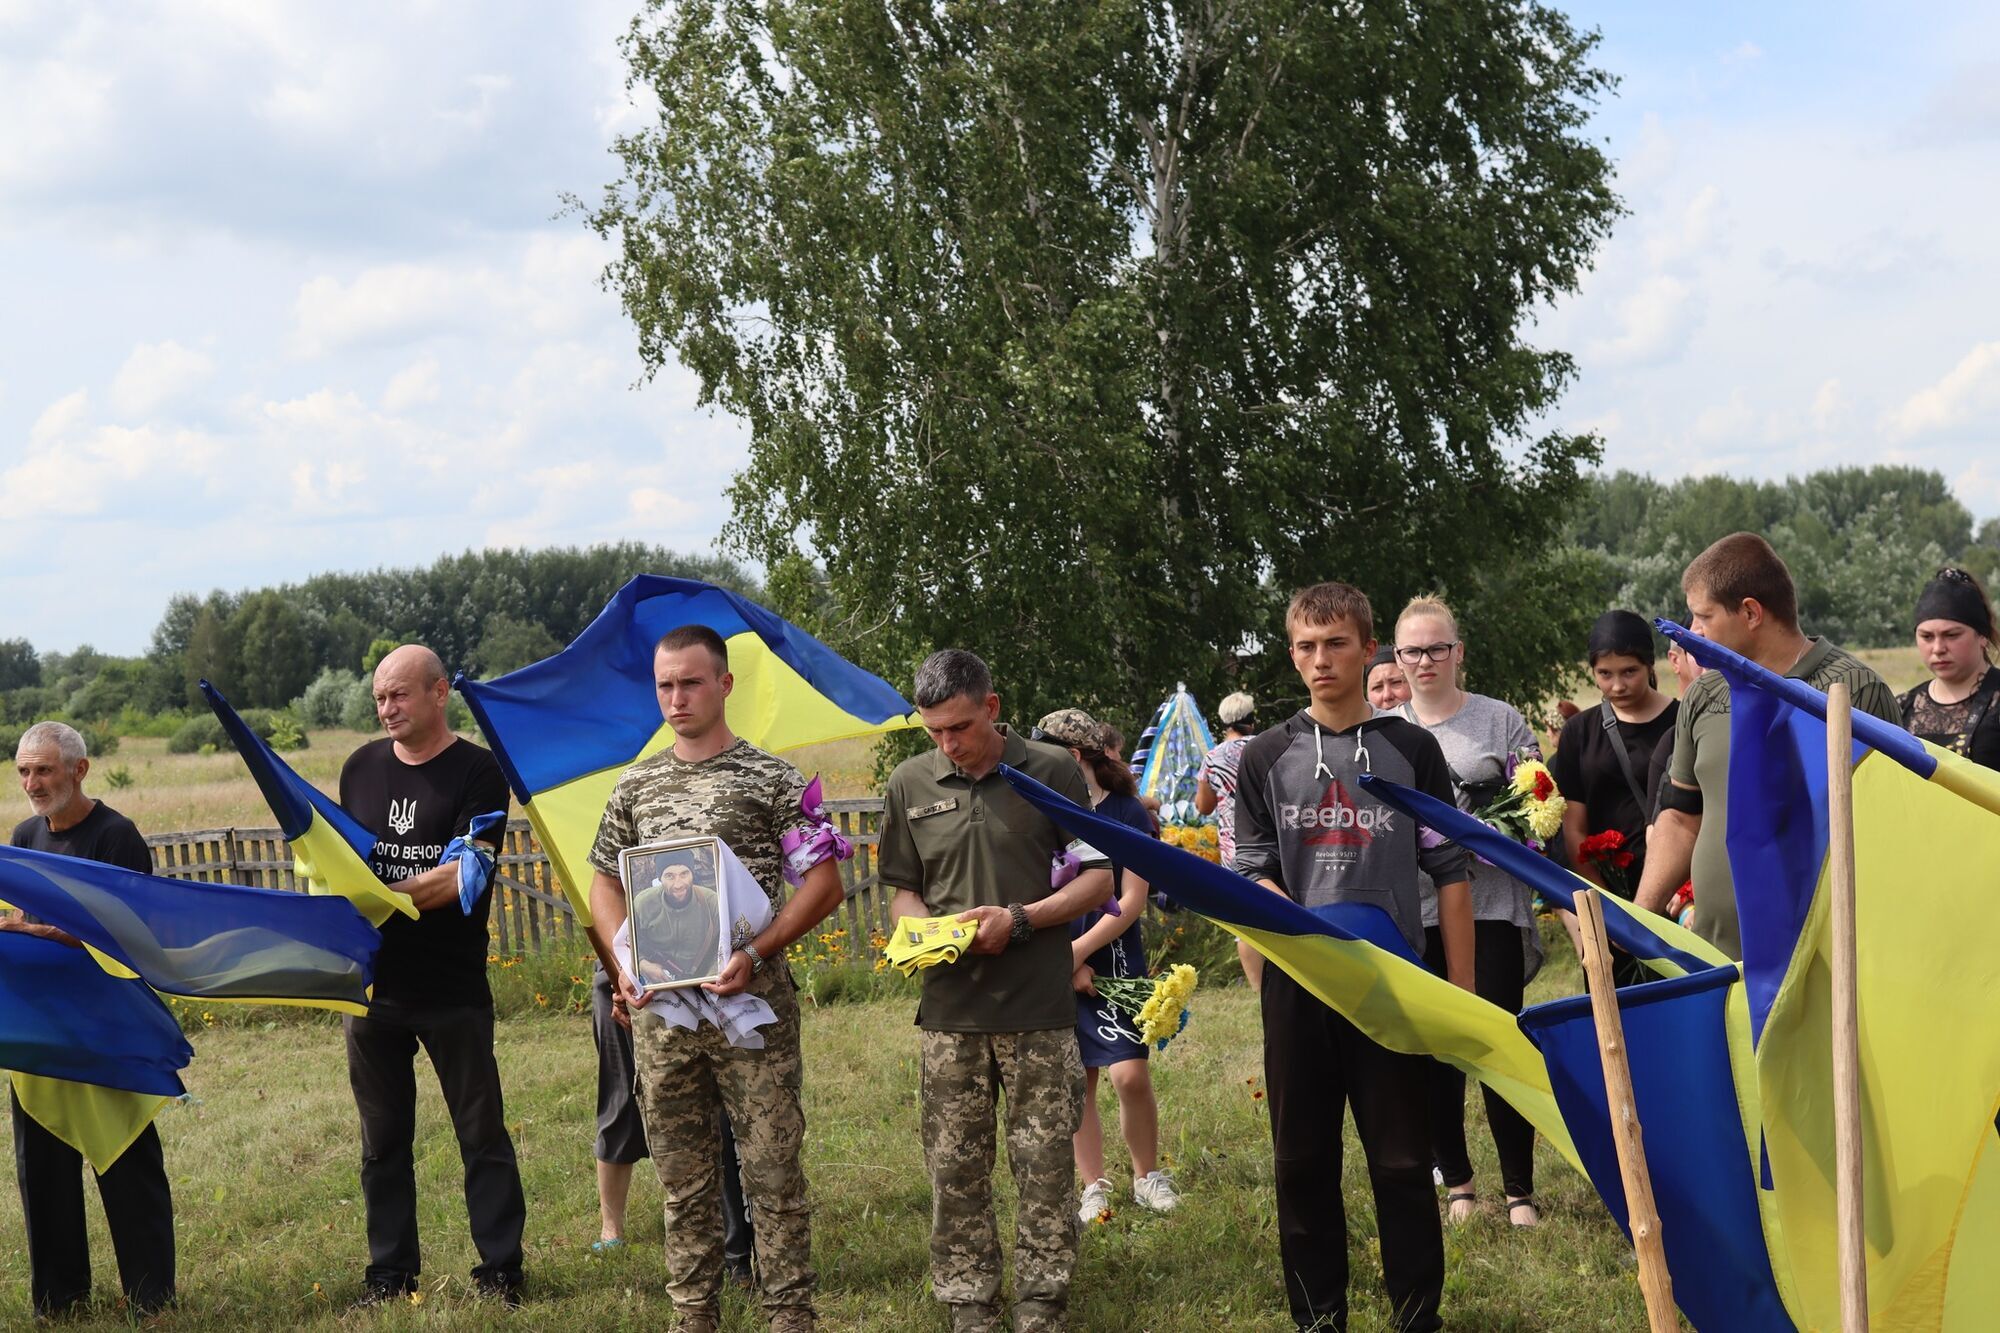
column 1305, row 822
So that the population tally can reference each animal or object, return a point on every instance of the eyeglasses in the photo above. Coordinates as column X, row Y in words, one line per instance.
column 1415, row 653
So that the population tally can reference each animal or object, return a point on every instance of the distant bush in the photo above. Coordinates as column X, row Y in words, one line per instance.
column 199, row 730
column 325, row 702
column 119, row 778
column 287, row 734
column 137, row 722
column 358, row 712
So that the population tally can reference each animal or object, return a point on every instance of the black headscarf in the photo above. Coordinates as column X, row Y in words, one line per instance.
column 1954, row 595
column 1384, row 654
column 1621, row 634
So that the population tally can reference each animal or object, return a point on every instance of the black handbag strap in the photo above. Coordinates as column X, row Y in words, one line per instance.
column 1624, row 760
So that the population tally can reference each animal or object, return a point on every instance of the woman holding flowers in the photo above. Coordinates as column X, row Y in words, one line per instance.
column 1484, row 742
column 1108, row 944
column 1604, row 766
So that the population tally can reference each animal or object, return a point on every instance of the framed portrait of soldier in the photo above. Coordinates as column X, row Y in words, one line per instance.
column 673, row 906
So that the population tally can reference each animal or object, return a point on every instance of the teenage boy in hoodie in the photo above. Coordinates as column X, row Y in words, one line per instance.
column 1306, row 828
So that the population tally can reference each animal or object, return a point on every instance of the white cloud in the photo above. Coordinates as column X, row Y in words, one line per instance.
column 412, row 386
column 1652, row 322
column 157, row 374
column 1970, row 387
column 1743, row 53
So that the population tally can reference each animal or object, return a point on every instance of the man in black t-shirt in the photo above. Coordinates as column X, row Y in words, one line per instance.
column 415, row 790
column 51, row 760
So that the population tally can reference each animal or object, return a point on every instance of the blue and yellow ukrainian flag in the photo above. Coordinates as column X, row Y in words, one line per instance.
column 565, row 728
column 1927, row 873
column 329, row 849
column 217, row 942
column 92, row 1057
column 1350, row 955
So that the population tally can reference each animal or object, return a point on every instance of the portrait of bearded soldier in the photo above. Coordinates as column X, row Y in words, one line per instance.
column 677, row 927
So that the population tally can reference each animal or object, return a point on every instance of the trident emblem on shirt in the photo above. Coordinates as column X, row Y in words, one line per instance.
column 403, row 815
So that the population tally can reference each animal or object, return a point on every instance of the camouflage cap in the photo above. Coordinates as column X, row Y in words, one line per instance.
column 1072, row 727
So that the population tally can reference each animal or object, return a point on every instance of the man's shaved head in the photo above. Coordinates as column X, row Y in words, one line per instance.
column 413, row 657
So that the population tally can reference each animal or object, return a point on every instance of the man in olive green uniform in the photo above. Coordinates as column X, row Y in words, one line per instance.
column 710, row 783
column 1739, row 594
column 957, row 839
column 676, row 923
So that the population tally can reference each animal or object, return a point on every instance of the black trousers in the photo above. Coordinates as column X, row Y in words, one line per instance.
column 1497, row 974
column 137, row 1204
column 381, row 1067
column 1316, row 1064
column 621, row 1134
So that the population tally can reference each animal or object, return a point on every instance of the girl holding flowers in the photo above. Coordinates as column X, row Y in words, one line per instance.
column 1108, row 945
column 1485, row 742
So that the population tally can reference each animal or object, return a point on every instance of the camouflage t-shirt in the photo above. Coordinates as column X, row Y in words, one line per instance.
column 743, row 796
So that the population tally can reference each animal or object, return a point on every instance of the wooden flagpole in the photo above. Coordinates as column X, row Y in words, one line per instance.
column 1641, row 1214
column 1848, row 1196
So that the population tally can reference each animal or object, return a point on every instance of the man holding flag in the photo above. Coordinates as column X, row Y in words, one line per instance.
column 417, row 790
column 1740, row 595
column 138, row 1204
column 711, row 783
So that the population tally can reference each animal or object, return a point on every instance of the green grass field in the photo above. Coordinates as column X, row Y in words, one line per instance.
column 264, row 1170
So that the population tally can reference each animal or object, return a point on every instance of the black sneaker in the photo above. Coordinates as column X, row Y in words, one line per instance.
column 738, row 1270
column 508, row 1293
column 381, row 1293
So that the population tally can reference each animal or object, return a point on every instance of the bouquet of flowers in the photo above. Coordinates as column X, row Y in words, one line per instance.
column 1528, row 809
column 1201, row 839
column 1613, row 860
column 1157, row 1005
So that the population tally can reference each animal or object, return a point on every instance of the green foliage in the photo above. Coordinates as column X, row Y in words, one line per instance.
column 357, row 713
column 119, row 778
column 20, row 664
column 510, row 644
column 1183, row 937
column 1080, row 335
column 1860, row 542
column 287, row 734
column 457, row 716
column 134, row 722
column 202, row 729
column 377, row 650
column 324, row 703
column 277, row 653
column 121, row 685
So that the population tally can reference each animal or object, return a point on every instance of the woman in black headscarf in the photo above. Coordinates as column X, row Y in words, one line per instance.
column 1958, row 708
column 1603, row 765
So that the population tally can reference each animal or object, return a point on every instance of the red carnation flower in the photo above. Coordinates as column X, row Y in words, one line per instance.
column 1545, row 786
column 1623, row 860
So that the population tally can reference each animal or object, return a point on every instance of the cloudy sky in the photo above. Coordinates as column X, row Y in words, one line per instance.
column 285, row 288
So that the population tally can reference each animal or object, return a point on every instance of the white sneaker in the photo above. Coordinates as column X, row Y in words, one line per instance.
column 1096, row 1198
column 1156, row 1192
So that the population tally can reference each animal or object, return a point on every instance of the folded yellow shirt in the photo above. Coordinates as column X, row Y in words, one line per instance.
column 921, row 942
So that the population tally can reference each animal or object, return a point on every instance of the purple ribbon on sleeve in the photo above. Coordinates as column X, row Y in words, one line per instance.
column 805, row 848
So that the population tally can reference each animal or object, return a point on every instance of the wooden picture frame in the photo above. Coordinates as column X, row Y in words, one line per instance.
column 667, row 950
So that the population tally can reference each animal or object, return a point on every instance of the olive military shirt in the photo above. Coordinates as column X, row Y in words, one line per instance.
column 960, row 844
column 1701, row 759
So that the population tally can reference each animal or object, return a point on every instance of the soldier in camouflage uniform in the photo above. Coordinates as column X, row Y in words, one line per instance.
column 956, row 838
column 710, row 783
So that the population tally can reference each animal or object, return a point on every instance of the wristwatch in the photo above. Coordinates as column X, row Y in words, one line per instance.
column 1022, row 931
column 756, row 959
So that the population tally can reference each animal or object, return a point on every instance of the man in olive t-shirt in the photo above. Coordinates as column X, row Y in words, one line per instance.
column 958, row 840
column 1739, row 594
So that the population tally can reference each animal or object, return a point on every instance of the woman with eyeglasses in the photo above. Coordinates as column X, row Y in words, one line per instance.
column 1604, row 764
column 1958, row 708
column 1479, row 736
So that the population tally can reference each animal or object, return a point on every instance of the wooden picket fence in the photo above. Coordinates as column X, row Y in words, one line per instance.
column 530, row 912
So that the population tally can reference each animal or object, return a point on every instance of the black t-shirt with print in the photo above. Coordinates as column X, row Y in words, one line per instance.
column 414, row 810
column 1586, row 770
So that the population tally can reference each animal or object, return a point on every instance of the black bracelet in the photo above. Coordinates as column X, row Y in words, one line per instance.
column 1022, row 931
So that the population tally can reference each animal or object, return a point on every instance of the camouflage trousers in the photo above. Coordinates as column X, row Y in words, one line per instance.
column 684, row 1079
column 1042, row 1076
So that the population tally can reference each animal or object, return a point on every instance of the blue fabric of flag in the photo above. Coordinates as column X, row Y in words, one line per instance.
column 202, row 941
column 1646, row 936
column 475, row 863
column 63, row 1016
column 1677, row 1037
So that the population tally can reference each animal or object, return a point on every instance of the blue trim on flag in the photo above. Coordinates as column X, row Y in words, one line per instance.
column 1533, row 869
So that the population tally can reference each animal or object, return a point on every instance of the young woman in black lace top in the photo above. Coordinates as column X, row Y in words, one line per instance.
column 1959, row 707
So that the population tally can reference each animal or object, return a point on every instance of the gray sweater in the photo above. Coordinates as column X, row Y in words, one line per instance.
column 1477, row 741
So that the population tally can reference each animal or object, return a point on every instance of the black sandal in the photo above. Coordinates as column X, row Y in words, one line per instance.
column 1454, row 1196
column 1528, row 1202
